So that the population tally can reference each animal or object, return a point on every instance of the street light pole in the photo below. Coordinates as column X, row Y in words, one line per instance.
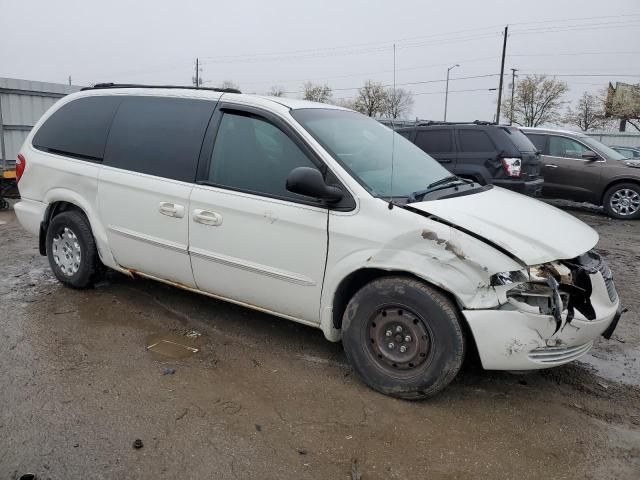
column 446, row 91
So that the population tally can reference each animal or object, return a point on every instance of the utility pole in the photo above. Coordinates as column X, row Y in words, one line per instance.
column 197, row 73
column 69, row 80
column 513, row 87
column 504, row 51
column 446, row 91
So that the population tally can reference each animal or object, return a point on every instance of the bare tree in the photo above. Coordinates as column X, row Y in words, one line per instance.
column 371, row 99
column 623, row 103
column 276, row 91
column 537, row 100
column 229, row 84
column 588, row 113
column 317, row 93
column 398, row 104
column 345, row 102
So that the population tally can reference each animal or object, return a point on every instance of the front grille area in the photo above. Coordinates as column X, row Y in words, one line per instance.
column 608, row 281
column 553, row 355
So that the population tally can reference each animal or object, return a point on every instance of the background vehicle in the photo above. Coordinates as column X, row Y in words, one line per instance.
column 287, row 206
column 580, row 168
column 482, row 152
column 628, row 152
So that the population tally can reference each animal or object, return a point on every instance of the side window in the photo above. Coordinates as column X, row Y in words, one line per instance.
column 539, row 141
column 251, row 154
column 565, row 147
column 435, row 141
column 475, row 141
column 78, row 128
column 159, row 136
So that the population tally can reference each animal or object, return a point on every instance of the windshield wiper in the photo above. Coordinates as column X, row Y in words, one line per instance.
column 413, row 197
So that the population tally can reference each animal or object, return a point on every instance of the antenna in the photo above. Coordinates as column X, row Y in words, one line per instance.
column 393, row 127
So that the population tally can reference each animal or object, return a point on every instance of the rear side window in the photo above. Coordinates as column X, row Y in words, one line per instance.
column 159, row 136
column 78, row 129
column 519, row 139
column 251, row 154
column 435, row 141
column 405, row 133
column 539, row 141
column 475, row 141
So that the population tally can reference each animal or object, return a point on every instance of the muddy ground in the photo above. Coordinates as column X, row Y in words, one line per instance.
column 264, row 398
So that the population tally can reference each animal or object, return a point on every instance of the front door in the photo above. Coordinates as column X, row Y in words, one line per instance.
column 566, row 174
column 252, row 241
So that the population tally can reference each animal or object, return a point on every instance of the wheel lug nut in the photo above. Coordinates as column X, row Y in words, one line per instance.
column 407, row 338
column 403, row 349
column 388, row 333
column 398, row 329
column 391, row 345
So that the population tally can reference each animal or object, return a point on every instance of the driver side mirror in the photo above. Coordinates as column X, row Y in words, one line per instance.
column 309, row 182
column 590, row 156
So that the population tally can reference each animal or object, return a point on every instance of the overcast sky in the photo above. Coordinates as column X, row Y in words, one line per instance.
column 258, row 44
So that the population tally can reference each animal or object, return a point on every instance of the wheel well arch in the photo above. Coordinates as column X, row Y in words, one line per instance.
column 53, row 209
column 613, row 183
column 359, row 278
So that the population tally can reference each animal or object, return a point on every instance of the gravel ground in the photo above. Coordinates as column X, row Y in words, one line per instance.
column 265, row 398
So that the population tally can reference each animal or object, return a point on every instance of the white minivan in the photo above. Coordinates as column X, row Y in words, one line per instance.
column 319, row 215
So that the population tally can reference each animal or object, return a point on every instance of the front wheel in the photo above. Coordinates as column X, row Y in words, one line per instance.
column 623, row 201
column 71, row 250
column 403, row 338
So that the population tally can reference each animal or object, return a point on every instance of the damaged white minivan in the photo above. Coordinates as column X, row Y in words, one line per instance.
column 319, row 215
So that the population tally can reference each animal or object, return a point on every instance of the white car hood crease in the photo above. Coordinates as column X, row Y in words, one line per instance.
column 533, row 231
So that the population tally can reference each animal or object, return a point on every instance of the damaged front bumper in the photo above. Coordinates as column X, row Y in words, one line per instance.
column 525, row 334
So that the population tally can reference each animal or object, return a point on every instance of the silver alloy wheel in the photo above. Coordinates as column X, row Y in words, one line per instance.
column 66, row 251
column 625, row 202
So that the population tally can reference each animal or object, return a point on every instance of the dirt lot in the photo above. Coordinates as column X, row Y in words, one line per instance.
column 265, row 398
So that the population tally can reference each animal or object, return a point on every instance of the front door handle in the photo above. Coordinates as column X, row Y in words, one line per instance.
column 551, row 165
column 444, row 160
column 207, row 217
column 171, row 209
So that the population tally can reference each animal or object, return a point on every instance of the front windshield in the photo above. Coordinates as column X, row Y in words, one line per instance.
column 363, row 146
column 608, row 152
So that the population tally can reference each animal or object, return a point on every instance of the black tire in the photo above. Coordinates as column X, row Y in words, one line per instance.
column 434, row 351
column 88, row 264
column 4, row 205
column 615, row 209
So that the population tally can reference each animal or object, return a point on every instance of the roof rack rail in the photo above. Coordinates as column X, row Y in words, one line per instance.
column 99, row 86
column 438, row 122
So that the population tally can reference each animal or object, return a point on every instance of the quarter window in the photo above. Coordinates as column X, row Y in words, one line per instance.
column 565, row 147
column 435, row 141
column 472, row 141
column 539, row 141
column 79, row 128
column 251, row 154
column 159, row 136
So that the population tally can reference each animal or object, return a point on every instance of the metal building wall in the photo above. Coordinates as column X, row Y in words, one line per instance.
column 22, row 103
column 620, row 139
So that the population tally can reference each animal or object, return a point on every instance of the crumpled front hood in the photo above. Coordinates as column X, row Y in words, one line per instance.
column 529, row 229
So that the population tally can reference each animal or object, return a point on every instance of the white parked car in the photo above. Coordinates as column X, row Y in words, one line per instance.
column 301, row 210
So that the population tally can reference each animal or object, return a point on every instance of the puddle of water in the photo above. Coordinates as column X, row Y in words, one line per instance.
column 172, row 346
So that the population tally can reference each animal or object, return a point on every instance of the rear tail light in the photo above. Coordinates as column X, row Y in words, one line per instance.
column 21, row 163
column 513, row 166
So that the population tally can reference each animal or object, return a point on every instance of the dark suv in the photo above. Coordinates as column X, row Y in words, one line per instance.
column 481, row 151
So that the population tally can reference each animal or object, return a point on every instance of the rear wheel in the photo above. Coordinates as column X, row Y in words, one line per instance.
column 71, row 250
column 403, row 338
column 623, row 201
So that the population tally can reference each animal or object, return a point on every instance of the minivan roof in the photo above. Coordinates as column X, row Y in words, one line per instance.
column 192, row 92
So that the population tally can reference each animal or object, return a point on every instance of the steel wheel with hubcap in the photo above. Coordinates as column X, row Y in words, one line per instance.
column 403, row 337
column 71, row 249
column 623, row 201
column 67, row 252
